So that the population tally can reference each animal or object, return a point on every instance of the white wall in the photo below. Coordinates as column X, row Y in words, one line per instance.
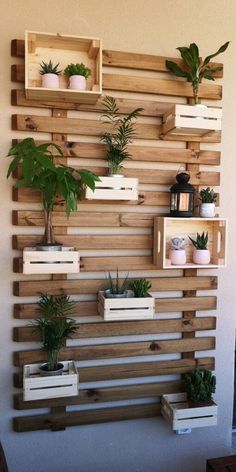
column 152, row 27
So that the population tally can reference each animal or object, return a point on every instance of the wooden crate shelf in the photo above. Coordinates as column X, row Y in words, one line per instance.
column 167, row 227
column 114, row 188
column 64, row 49
column 192, row 120
column 175, row 409
column 65, row 261
column 112, row 309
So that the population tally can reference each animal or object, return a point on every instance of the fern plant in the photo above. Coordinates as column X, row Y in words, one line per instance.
column 77, row 69
column 201, row 241
column 207, row 195
column 49, row 68
column 140, row 287
column 121, row 134
column 200, row 385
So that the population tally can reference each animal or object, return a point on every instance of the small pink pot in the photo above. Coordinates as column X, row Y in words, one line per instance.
column 177, row 257
column 77, row 82
column 50, row 81
column 201, row 256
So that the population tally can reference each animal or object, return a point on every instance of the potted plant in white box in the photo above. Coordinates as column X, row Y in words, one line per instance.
column 177, row 252
column 140, row 287
column 199, row 386
column 208, row 198
column 201, row 254
column 116, row 288
column 77, row 74
column 50, row 74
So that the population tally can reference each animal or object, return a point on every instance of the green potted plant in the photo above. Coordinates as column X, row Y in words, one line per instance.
column 50, row 74
column 201, row 254
column 77, row 74
column 199, row 386
column 140, row 287
column 120, row 135
column 194, row 68
column 208, row 198
column 177, row 252
column 116, row 288
column 54, row 327
column 39, row 171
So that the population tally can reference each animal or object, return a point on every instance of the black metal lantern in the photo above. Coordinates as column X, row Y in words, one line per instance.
column 182, row 197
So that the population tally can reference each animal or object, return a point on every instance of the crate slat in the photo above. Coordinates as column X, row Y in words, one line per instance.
column 65, row 261
column 192, row 120
column 114, row 188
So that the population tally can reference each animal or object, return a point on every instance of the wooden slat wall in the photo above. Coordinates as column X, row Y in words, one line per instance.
column 125, row 351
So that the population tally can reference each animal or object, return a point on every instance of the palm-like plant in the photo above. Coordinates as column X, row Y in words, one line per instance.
column 40, row 172
column 195, row 69
column 121, row 133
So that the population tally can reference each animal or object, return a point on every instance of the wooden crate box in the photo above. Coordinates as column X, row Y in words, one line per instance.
column 65, row 261
column 113, row 309
column 38, row 387
column 175, row 409
column 114, row 188
column 65, row 50
column 167, row 227
column 192, row 120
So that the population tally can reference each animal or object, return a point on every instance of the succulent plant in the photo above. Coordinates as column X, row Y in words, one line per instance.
column 115, row 286
column 201, row 241
column 177, row 243
column 77, row 69
column 49, row 68
column 200, row 385
column 140, row 287
column 207, row 195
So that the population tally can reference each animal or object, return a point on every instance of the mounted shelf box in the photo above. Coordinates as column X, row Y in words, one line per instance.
column 65, row 261
column 113, row 309
column 38, row 387
column 175, row 409
column 114, row 188
column 65, row 50
column 166, row 227
column 192, row 120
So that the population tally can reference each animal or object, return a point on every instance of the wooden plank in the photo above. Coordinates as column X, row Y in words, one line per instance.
column 76, row 418
column 95, row 330
column 117, row 350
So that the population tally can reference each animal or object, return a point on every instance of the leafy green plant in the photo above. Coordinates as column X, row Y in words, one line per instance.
column 207, row 195
column 77, row 69
column 49, row 68
column 195, row 69
column 54, row 326
column 116, row 286
column 201, row 241
column 121, row 134
column 200, row 385
column 40, row 172
column 140, row 287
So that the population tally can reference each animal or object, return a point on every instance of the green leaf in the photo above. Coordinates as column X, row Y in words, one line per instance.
column 13, row 166
column 220, row 50
column 176, row 70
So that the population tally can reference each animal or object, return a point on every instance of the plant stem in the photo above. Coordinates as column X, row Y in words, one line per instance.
column 48, row 237
column 195, row 93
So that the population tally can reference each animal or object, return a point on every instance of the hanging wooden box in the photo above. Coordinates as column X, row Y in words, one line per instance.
column 65, row 50
column 113, row 309
column 175, row 409
column 65, row 261
column 190, row 119
column 166, row 227
column 114, row 188
column 38, row 387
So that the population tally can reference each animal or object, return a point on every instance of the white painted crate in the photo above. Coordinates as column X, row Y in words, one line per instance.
column 38, row 387
column 176, row 411
column 190, row 119
column 130, row 308
column 65, row 261
column 114, row 188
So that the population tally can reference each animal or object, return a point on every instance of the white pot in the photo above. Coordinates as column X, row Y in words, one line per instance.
column 77, row 82
column 201, row 256
column 50, row 81
column 177, row 257
column 207, row 210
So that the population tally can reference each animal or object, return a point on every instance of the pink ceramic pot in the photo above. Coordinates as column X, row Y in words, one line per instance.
column 77, row 82
column 201, row 256
column 178, row 257
column 50, row 81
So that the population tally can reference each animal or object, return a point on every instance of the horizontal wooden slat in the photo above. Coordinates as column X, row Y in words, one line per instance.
column 76, row 418
column 109, row 351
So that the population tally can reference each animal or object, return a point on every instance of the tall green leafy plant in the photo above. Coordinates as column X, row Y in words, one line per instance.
column 39, row 171
column 195, row 69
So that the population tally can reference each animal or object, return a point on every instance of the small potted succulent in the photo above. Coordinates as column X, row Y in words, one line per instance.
column 77, row 74
column 207, row 207
column 50, row 74
column 177, row 252
column 116, row 287
column 199, row 386
column 140, row 288
column 201, row 254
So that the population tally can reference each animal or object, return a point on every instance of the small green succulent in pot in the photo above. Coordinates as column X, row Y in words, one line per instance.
column 201, row 253
column 200, row 386
column 177, row 252
column 77, row 69
column 194, row 68
column 207, row 195
column 140, row 287
column 201, row 241
column 50, row 74
column 49, row 68
column 117, row 288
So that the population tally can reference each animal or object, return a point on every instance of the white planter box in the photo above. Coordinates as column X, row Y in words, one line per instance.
column 114, row 188
column 176, row 411
column 190, row 119
column 37, row 387
column 65, row 261
column 114, row 309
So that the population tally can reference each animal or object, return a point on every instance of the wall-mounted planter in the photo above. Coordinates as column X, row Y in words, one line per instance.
column 166, row 228
column 65, row 50
column 114, row 309
column 37, row 387
column 175, row 409
column 114, row 188
column 65, row 261
column 192, row 120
